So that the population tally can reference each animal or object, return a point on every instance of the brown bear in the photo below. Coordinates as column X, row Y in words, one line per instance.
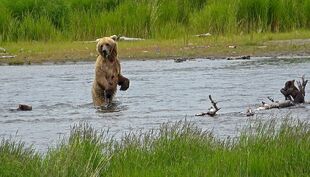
column 291, row 92
column 107, row 72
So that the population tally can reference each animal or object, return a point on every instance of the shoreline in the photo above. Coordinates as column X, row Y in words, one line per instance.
column 294, row 44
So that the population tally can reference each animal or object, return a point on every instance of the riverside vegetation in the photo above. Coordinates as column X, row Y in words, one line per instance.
column 42, row 30
column 179, row 149
column 44, row 20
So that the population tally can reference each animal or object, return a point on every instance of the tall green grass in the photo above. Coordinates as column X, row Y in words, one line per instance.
column 88, row 19
column 179, row 149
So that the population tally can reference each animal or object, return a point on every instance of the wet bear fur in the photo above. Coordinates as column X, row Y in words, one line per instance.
column 107, row 72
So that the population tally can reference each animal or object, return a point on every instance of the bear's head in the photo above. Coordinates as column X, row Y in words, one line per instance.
column 107, row 48
column 289, row 84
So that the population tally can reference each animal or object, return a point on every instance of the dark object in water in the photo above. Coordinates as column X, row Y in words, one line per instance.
column 292, row 93
column 179, row 60
column 24, row 107
column 249, row 112
column 245, row 57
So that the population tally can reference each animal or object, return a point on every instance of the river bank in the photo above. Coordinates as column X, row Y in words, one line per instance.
column 268, row 44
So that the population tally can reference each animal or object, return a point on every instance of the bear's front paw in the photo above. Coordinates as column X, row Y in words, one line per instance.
column 125, row 84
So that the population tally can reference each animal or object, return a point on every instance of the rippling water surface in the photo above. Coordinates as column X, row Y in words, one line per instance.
column 160, row 91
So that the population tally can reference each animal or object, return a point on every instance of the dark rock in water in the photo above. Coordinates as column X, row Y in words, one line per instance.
column 179, row 60
column 24, row 107
column 245, row 57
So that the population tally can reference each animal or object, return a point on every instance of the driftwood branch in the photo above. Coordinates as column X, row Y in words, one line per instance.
column 302, row 85
column 271, row 99
column 214, row 104
column 212, row 110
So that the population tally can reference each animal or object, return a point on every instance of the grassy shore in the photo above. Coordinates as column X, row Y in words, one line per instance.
column 168, row 26
column 215, row 46
column 180, row 149
column 44, row 20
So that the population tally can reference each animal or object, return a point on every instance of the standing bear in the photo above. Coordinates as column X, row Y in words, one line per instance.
column 107, row 72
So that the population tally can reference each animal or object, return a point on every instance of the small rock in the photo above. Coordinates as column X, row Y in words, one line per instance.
column 24, row 107
column 245, row 57
column 179, row 60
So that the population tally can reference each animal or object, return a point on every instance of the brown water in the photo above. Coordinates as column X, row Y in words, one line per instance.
column 160, row 91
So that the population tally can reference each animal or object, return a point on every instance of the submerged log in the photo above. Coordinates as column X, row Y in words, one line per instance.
column 281, row 104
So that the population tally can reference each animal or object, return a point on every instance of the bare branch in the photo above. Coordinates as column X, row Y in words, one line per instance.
column 302, row 85
column 212, row 111
column 271, row 99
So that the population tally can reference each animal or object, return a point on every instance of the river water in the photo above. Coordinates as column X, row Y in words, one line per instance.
column 160, row 91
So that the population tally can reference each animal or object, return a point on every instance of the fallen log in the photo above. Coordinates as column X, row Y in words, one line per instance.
column 280, row 104
column 124, row 38
column 7, row 56
column 203, row 35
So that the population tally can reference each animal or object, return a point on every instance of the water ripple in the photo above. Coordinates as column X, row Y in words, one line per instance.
column 160, row 91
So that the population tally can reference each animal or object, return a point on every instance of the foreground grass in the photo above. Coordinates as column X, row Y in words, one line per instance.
column 180, row 149
column 256, row 44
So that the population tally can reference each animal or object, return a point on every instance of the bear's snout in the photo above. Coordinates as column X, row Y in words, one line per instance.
column 105, row 50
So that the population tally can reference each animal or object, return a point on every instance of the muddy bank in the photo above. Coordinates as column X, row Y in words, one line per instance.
column 61, row 52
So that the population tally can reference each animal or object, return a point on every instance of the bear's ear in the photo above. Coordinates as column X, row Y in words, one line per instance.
column 292, row 82
column 97, row 40
column 115, row 37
